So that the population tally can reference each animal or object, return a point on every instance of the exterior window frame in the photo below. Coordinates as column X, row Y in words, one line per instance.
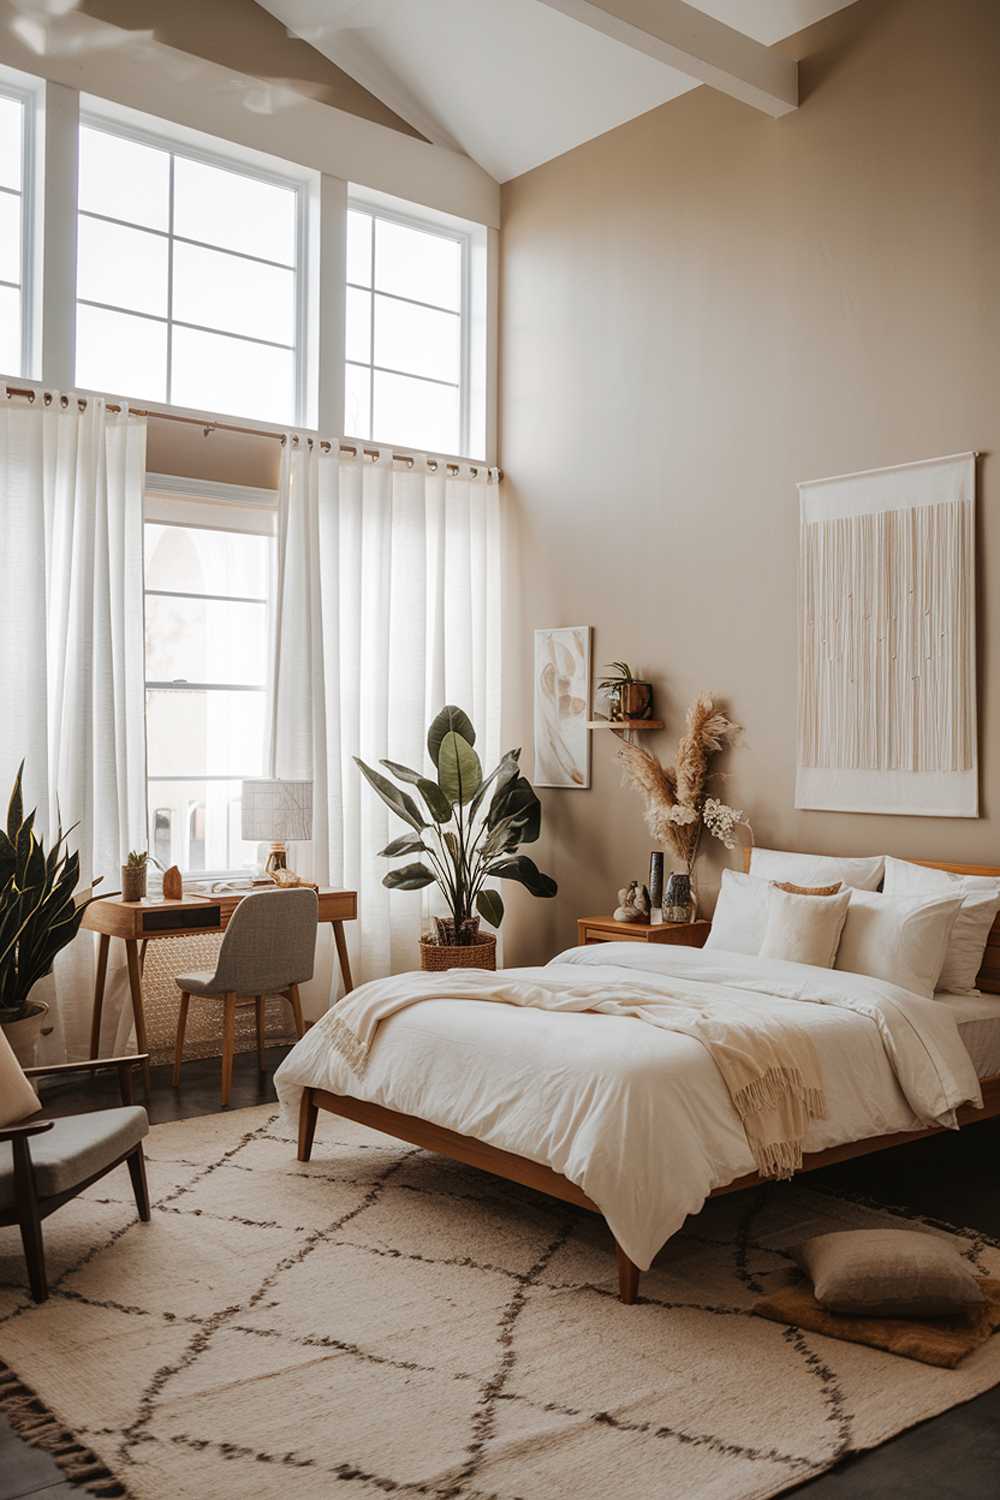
column 27, row 95
column 424, row 224
column 240, row 164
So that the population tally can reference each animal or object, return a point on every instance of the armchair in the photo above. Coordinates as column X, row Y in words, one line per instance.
column 69, row 1154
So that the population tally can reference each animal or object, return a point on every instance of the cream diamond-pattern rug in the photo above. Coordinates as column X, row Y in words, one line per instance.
column 384, row 1322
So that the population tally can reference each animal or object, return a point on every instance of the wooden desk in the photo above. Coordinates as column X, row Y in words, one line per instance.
column 139, row 922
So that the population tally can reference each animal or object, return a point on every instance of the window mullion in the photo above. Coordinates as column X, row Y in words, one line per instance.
column 170, row 280
column 371, row 338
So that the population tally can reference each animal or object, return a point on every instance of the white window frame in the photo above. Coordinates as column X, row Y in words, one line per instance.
column 425, row 223
column 27, row 95
column 241, row 163
column 171, row 500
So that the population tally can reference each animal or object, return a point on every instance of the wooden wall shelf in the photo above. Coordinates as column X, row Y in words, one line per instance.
column 621, row 724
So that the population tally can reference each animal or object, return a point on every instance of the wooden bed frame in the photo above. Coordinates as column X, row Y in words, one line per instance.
column 531, row 1174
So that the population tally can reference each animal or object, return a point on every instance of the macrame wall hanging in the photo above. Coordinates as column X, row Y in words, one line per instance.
column 887, row 646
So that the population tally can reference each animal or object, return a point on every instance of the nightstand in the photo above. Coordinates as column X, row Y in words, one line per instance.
column 607, row 930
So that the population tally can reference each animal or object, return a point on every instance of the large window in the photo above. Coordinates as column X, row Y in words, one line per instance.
column 189, row 278
column 407, row 329
column 207, row 593
column 16, row 132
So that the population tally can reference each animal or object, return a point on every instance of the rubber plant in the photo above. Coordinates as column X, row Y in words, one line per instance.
column 468, row 828
column 39, row 914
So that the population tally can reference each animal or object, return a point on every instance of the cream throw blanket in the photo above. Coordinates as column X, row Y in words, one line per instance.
column 769, row 1067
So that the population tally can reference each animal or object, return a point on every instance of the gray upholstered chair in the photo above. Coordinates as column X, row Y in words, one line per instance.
column 44, row 1163
column 269, row 948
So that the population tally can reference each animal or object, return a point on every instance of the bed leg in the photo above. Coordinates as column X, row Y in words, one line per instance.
column 628, row 1277
column 308, row 1115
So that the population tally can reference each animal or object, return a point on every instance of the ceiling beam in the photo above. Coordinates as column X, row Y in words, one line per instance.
column 696, row 44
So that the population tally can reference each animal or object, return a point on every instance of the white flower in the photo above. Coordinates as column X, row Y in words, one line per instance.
column 681, row 813
column 722, row 820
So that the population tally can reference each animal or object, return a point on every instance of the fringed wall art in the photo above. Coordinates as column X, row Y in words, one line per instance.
column 887, row 649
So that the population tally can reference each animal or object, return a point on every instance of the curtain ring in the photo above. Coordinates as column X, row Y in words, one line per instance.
column 64, row 402
column 46, row 399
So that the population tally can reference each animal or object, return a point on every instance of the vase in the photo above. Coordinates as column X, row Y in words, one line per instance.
column 678, row 902
column 656, row 880
column 23, row 1034
column 133, row 882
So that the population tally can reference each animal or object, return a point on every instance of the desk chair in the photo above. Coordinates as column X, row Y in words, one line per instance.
column 269, row 948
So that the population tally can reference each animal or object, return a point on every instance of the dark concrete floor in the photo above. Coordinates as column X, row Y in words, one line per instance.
column 953, row 1178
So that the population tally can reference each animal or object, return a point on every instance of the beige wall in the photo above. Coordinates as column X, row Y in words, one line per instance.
column 699, row 309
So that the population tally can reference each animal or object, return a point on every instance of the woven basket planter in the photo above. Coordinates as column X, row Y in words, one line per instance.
column 436, row 957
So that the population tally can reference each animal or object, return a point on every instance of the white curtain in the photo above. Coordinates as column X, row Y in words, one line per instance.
column 71, row 667
column 387, row 607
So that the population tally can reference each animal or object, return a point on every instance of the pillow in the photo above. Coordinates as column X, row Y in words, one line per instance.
column 806, row 890
column 17, row 1098
column 740, row 915
column 970, row 934
column 817, row 869
column 804, row 929
column 899, row 938
column 901, row 1273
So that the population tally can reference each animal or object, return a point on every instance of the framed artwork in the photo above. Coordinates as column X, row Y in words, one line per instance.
column 562, row 707
column 887, row 641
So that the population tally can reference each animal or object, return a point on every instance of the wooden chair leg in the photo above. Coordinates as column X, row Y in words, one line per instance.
column 29, row 1220
column 137, row 1172
column 293, row 997
column 628, row 1277
column 308, row 1115
column 182, row 1020
column 228, row 1045
column 258, row 1002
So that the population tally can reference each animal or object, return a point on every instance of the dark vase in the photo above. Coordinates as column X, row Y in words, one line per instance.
column 656, row 879
column 678, row 903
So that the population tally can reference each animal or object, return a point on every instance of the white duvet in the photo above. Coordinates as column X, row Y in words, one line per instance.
column 639, row 1118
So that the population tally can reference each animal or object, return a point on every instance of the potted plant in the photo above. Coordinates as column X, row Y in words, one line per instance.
column 470, row 833
column 134, row 873
column 39, row 915
column 627, row 696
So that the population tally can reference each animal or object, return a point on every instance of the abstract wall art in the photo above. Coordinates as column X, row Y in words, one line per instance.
column 562, row 707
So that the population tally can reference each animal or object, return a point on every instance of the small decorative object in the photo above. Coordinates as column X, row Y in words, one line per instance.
column 562, row 697
column 173, row 885
column 674, row 796
column 633, row 903
column 678, row 905
column 467, row 838
column 277, row 812
column 656, row 880
column 627, row 696
column 41, row 885
column 134, row 875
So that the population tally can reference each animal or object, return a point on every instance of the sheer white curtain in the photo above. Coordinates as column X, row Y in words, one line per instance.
column 71, row 667
column 387, row 607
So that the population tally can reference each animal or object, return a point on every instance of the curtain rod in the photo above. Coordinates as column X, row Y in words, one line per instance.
column 210, row 426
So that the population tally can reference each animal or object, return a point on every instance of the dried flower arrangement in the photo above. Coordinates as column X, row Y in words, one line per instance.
column 676, row 806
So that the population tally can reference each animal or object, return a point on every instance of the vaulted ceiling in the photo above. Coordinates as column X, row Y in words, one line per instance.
column 513, row 83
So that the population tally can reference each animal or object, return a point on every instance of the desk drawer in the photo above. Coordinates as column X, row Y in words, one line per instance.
column 601, row 935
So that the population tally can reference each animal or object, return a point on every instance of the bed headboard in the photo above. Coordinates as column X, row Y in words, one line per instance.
column 989, row 974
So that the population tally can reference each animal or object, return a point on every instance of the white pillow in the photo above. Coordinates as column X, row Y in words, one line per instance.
column 970, row 934
column 740, row 915
column 17, row 1097
column 817, row 869
column 804, row 929
column 899, row 938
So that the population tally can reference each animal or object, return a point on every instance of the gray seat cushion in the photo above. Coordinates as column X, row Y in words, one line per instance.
column 198, row 982
column 74, row 1149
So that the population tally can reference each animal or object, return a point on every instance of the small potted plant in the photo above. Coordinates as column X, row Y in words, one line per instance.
column 39, row 915
column 466, row 836
column 134, row 873
column 627, row 696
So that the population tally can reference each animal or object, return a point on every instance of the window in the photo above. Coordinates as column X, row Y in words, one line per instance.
column 206, row 602
column 16, row 143
column 190, row 273
column 406, row 332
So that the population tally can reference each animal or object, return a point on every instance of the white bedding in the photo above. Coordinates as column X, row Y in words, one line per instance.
column 638, row 1118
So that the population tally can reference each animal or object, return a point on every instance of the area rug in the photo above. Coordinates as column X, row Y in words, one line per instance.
column 384, row 1322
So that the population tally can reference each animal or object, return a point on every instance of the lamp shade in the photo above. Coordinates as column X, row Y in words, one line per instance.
column 277, row 811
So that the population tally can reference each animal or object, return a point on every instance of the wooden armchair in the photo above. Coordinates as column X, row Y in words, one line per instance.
column 70, row 1153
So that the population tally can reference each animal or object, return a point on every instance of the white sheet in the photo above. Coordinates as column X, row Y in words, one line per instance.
column 640, row 1119
column 978, row 1019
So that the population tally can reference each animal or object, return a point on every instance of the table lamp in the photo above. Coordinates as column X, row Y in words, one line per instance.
column 276, row 812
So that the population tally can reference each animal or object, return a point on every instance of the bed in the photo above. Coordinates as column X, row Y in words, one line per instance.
column 579, row 1105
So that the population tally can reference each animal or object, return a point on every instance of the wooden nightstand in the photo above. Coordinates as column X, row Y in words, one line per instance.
column 607, row 930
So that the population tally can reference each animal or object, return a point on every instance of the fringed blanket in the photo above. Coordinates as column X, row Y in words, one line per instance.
column 769, row 1065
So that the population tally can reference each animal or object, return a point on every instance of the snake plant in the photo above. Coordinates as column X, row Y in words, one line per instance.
column 466, row 838
column 38, row 912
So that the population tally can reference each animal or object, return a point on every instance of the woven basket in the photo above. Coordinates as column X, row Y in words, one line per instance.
column 436, row 957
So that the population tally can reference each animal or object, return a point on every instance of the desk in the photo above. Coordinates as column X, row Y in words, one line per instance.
column 139, row 922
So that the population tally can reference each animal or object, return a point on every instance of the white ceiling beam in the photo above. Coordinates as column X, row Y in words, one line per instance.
column 696, row 44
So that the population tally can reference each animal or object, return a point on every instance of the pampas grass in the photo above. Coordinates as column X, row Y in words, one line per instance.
column 674, row 796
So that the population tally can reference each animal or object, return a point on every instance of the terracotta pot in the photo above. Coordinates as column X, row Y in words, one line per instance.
column 23, row 1035
column 436, row 957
